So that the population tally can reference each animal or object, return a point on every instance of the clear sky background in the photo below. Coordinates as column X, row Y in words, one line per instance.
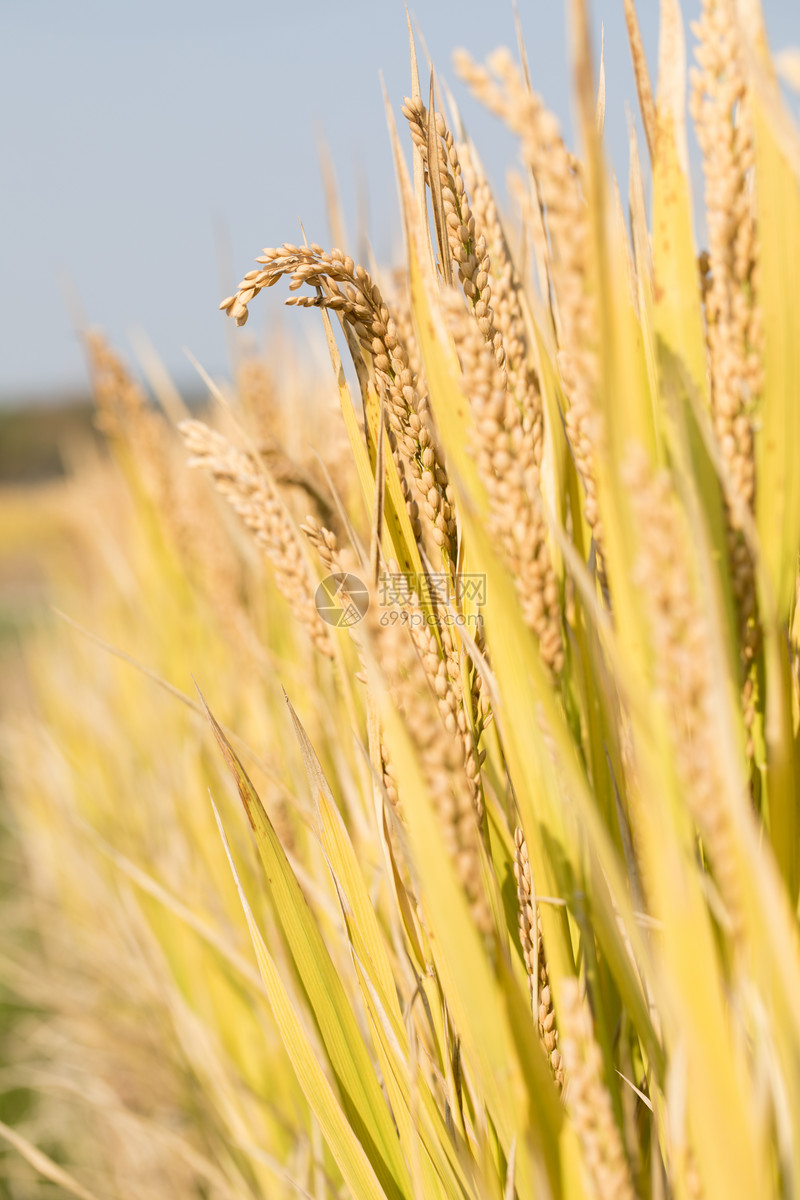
column 142, row 137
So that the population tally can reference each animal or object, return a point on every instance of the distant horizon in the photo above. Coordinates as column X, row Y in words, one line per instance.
column 184, row 377
column 162, row 139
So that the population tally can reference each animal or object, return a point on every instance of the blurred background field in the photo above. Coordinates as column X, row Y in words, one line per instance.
column 84, row 758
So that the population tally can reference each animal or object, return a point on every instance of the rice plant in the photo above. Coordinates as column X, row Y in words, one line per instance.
column 495, row 892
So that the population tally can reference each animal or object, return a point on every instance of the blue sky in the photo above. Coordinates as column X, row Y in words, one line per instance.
column 142, row 136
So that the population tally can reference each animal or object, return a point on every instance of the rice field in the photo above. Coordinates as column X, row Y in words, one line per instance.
column 400, row 791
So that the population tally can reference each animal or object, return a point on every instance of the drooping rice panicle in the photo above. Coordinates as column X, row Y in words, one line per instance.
column 118, row 397
column 525, row 419
column 587, row 1100
column 463, row 712
column 255, row 389
column 466, row 240
column 124, row 414
column 325, row 542
column 348, row 289
column 508, row 455
column 683, row 673
column 506, row 294
column 244, row 484
column 721, row 110
column 296, row 475
column 501, row 87
column 530, row 933
column 641, row 73
column 424, row 692
column 400, row 304
column 443, row 668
